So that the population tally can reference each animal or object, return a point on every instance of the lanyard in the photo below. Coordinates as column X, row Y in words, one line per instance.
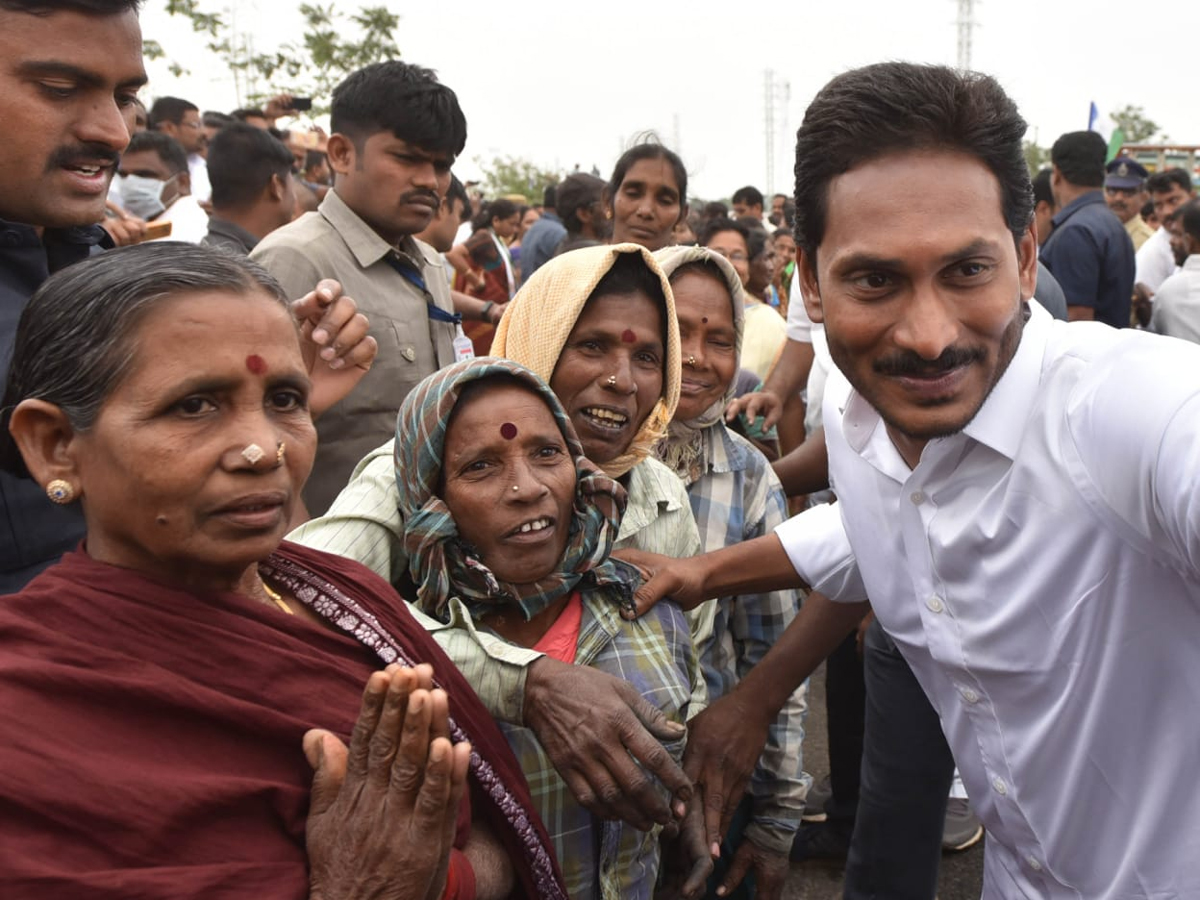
column 414, row 277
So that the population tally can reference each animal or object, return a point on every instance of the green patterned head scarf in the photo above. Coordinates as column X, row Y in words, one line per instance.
column 442, row 565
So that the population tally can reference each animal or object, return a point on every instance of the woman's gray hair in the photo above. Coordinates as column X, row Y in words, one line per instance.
column 74, row 343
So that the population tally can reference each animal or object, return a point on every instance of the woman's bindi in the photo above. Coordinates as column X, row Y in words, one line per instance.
column 256, row 364
column 704, row 320
column 508, row 431
column 628, row 336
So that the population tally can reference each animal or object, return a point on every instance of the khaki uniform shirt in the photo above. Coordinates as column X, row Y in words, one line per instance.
column 334, row 242
column 1139, row 231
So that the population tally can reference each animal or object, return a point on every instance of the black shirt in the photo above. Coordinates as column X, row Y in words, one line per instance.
column 225, row 235
column 1091, row 254
column 34, row 532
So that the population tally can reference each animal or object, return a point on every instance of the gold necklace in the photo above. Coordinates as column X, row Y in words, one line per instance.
column 275, row 597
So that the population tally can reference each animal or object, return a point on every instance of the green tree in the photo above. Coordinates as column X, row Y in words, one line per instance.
column 334, row 45
column 512, row 175
column 1035, row 157
column 1135, row 125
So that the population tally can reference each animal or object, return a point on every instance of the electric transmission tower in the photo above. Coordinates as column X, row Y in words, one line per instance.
column 773, row 93
column 966, row 24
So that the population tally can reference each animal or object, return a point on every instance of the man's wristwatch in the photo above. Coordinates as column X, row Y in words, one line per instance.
column 485, row 314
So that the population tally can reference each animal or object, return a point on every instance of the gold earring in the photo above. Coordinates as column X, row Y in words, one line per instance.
column 60, row 491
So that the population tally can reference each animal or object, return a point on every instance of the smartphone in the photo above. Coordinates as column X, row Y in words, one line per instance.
column 157, row 230
column 301, row 104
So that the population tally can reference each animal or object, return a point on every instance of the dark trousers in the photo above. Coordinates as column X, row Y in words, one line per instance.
column 845, row 702
column 906, row 774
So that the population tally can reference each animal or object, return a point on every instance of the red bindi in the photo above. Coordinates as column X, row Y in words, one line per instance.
column 705, row 320
column 628, row 336
column 508, row 431
column 256, row 364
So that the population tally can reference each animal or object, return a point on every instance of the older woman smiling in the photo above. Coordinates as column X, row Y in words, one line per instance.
column 508, row 527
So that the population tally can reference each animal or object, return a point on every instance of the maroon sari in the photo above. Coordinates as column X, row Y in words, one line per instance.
column 150, row 738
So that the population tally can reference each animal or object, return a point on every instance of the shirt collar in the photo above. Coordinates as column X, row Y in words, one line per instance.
column 651, row 493
column 233, row 230
column 1000, row 422
column 364, row 241
column 1077, row 204
column 1192, row 263
column 723, row 454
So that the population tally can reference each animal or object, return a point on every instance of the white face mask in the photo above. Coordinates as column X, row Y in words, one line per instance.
column 142, row 196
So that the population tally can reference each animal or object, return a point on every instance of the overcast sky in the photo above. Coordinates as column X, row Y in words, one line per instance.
column 566, row 83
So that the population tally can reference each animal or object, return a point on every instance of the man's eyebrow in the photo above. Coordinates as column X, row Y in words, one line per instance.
column 50, row 68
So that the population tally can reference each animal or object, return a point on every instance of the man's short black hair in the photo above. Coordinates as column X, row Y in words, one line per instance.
column 1162, row 182
column 241, row 161
column 1148, row 209
column 1080, row 157
column 549, row 196
column 456, row 191
column 169, row 150
column 87, row 7
column 899, row 107
column 749, row 195
column 1189, row 218
column 213, row 119
column 1041, row 188
column 169, row 109
column 247, row 112
column 403, row 99
column 715, row 209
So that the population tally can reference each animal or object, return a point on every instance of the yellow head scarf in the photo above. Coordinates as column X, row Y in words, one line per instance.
column 540, row 317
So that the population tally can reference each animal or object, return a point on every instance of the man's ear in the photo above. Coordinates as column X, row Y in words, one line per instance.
column 1027, row 257
column 47, row 442
column 810, row 290
column 342, row 153
column 276, row 189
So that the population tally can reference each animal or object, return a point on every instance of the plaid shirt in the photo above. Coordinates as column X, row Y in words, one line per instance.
column 739, row 498
column 599, row 859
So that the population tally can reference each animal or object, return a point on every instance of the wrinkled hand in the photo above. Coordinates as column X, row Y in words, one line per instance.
column 686, row 861
column 337, row 349
column 383, row 813
column 663, row 576
column 496, row 313
column 596, row 729
column 724, row 743
column 123, row 228
column 757, row 403
column 770, row 871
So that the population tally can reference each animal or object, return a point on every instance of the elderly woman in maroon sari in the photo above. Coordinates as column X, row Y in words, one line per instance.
column 182, row 711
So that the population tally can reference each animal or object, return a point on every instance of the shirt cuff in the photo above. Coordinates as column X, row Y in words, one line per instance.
column 772, row 837
column 819, row 550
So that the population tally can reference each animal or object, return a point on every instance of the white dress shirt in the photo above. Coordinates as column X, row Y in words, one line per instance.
column 1177, row 304
column 1040, row 571
column 1155, row 261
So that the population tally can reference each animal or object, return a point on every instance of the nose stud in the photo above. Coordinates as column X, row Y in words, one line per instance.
column 691, row 361
column 612, row 381
column 252, row 453
column 516, row 487
column 279, row 452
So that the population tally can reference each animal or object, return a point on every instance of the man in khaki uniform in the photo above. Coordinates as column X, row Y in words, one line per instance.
column 396, row 132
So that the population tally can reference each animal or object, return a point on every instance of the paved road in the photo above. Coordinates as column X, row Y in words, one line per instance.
column 961, row 874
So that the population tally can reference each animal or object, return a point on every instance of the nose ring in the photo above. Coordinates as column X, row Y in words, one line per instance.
column 612, row 381
column 279, row 452
column 252, row 453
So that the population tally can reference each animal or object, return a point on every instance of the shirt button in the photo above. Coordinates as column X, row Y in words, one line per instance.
column 1000, row 786
column 409, row 353
column 970, row 695
column 1033, row 863
column 917, row 498
column 935, row 604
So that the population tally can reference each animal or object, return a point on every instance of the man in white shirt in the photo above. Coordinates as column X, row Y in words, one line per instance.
column 1019, row 497
column 1177, row 303
column 1169, row 190
column 155, row 185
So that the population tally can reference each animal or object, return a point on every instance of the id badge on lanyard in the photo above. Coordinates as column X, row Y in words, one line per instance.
column 463, row 348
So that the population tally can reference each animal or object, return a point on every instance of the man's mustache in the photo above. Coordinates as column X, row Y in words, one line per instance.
column 910, row 363
column 89, row 153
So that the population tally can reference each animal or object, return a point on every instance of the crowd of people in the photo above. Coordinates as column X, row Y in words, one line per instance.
column 366, row 537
